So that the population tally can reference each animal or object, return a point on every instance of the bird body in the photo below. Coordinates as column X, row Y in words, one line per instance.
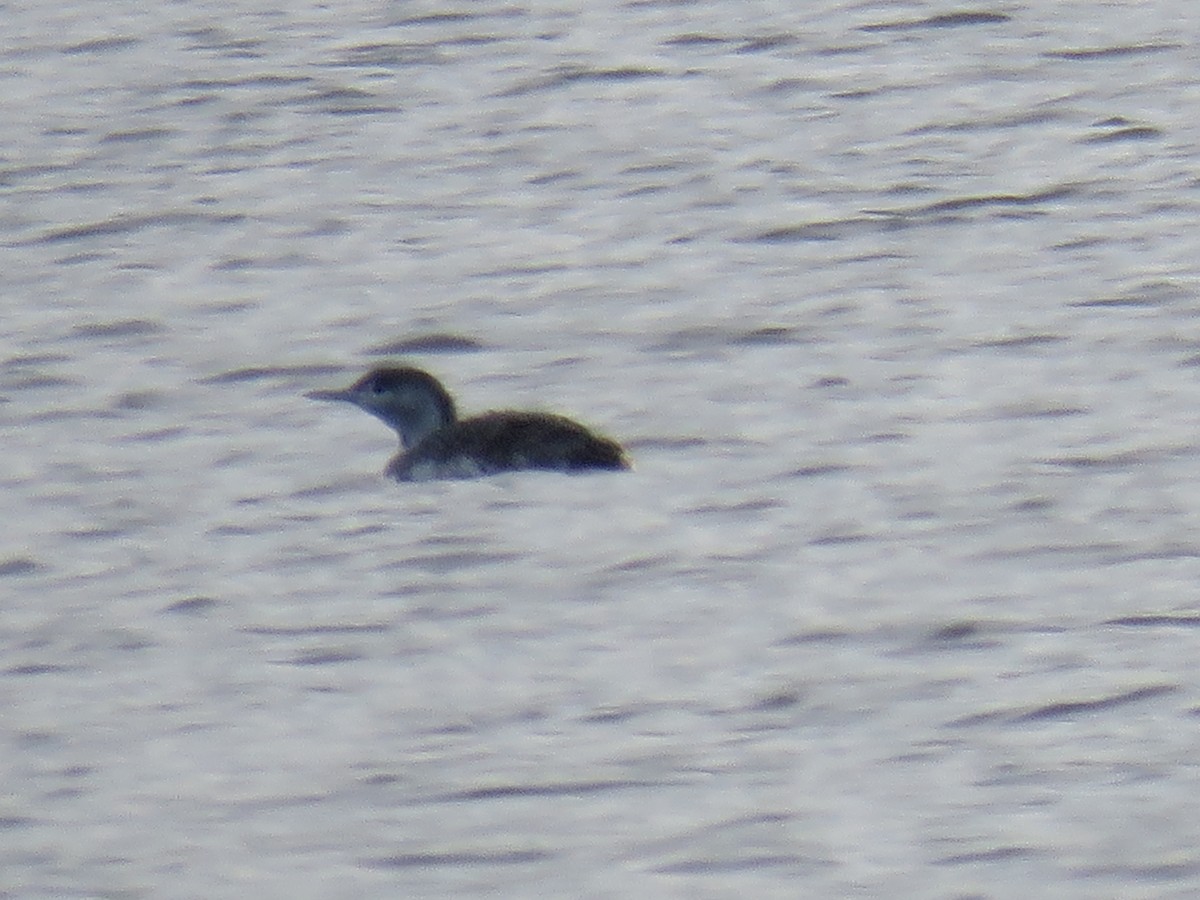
column 435, row 443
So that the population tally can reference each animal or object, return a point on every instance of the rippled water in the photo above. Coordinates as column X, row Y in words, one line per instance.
column 895, row 306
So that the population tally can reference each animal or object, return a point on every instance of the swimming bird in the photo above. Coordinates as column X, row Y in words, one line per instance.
column 435, row 443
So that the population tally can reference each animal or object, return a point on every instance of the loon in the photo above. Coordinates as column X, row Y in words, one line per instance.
column 435, row 443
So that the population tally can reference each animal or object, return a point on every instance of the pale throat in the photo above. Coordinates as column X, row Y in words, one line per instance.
column 415, row 424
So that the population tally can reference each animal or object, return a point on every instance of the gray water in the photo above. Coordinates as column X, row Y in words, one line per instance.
column 895, row 306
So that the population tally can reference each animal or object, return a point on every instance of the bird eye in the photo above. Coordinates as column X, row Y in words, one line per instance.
column 377, row 385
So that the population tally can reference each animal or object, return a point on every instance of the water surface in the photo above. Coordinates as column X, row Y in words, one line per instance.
column 894, row 306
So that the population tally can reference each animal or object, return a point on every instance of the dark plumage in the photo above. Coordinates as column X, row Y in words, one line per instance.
column 435, row 443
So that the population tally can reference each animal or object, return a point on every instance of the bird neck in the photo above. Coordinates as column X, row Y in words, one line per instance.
column 415, row 425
